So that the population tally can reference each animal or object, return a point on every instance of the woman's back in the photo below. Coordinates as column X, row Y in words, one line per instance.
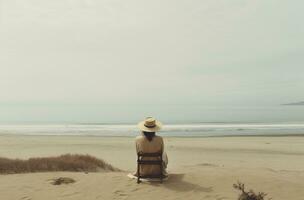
column 149, row 142
column 143, row 145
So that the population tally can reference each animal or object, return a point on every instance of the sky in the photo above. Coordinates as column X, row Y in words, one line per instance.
column 56, row 55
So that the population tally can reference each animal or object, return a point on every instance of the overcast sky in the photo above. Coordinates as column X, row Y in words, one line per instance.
column 211, row 52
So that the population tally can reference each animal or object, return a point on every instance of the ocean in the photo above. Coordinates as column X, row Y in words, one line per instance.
column 177, row 130
column 179, row 121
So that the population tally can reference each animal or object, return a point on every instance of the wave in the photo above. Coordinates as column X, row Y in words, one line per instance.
column 168, row 130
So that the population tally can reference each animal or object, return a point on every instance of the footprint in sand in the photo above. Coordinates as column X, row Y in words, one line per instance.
column 215, row 197
column 218, row 197
column 120, row 193
column 207, row 165
column 221, row 198
column 69, row 194
column 134, row 190
column 26, row 198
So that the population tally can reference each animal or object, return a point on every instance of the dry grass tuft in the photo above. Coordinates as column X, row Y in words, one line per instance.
column 66, row 162
column 250, row 195
column 62, row 180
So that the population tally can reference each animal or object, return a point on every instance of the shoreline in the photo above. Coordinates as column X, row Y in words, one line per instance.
column 165, row 136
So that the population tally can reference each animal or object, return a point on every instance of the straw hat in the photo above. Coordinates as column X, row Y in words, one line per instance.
column 150, row 125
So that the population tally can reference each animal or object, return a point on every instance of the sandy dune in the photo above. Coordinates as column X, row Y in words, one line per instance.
column 200, row 168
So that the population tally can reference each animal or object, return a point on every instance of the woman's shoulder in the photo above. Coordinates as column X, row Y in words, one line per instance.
column 159, row 138
column 141, row 137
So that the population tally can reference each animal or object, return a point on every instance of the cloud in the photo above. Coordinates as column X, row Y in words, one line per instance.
column 160, row 52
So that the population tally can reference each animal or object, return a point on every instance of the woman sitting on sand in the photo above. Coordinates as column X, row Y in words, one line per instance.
column 149, row 142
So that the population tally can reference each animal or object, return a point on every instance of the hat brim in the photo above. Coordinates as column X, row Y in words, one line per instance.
column 157, row 127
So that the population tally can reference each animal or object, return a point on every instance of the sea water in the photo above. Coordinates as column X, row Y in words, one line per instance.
column 181, row 121
column 180, row 130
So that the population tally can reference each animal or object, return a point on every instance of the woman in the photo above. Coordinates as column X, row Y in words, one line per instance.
column 149, row 142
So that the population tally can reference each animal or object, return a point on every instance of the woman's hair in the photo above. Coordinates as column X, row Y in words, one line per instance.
column 149, row 135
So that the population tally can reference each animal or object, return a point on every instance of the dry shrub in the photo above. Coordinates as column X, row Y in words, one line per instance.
column 250, row 195
column 62, row 180
column 66, row 162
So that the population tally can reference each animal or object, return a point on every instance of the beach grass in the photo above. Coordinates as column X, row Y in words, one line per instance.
column 248, row 195
column 66, row 162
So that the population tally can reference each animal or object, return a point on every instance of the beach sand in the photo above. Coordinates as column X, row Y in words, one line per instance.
column 199, row 168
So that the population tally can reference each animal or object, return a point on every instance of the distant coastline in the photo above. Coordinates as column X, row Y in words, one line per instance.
column 301, row 103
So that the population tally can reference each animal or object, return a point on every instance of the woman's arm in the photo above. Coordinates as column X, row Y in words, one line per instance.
column 136, row 146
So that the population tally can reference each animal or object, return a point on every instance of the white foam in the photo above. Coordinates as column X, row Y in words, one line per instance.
column 131, row 130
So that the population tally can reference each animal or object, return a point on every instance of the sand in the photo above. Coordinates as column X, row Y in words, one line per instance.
column 200, row 168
